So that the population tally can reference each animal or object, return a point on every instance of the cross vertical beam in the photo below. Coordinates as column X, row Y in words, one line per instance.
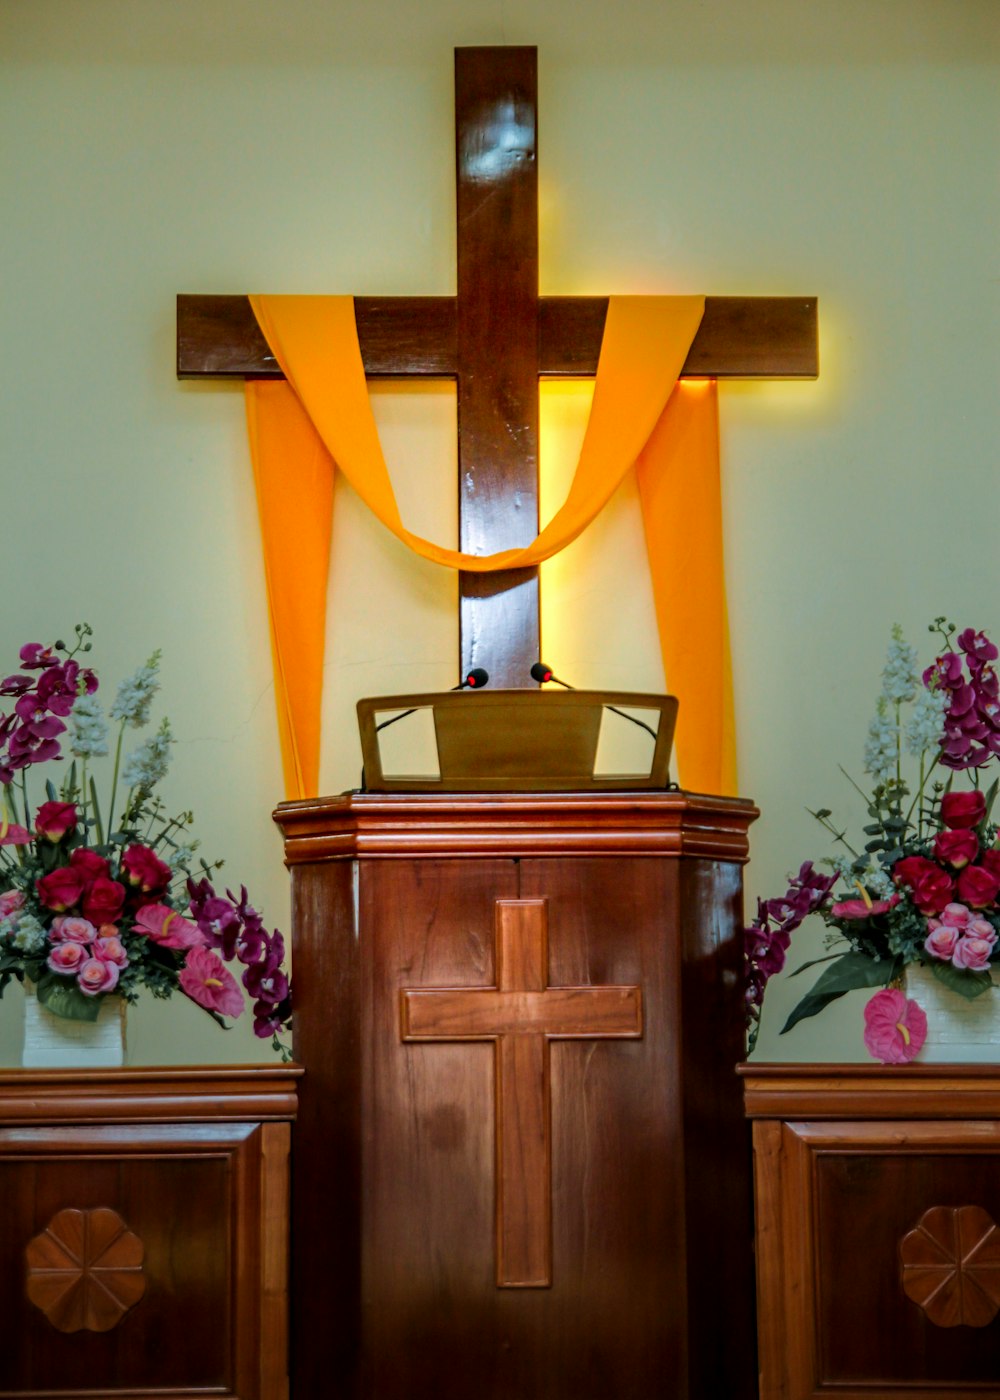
column 496, row 104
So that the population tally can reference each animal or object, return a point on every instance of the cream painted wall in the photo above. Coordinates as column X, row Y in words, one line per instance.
column 844, row 149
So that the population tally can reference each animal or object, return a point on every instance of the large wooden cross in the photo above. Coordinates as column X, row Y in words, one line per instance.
column 522, row 1015
column 495, row 338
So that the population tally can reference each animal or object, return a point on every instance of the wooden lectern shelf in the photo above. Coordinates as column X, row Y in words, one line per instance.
column 519, row 740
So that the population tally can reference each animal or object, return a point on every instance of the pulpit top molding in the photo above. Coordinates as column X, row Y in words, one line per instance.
column 221, row 1093
column 408, row 826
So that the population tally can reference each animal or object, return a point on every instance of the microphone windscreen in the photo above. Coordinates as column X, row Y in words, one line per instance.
column 477, row 678
column 541, row 672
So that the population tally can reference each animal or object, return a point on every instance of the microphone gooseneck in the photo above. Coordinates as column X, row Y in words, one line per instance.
column 542, row 673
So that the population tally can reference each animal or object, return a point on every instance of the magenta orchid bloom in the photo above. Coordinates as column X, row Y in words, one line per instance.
column 895, row 1028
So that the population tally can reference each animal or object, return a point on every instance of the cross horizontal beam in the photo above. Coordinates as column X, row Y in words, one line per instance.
column 739, row 338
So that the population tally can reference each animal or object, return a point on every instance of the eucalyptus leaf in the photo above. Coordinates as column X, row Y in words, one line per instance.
column 67, row 1001
column 848, row 973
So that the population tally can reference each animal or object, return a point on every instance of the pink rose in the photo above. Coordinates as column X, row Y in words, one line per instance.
column 70, row 928
column 144, row 869
column 96, row 977
column 11, row 902
column 103, row 901
column 978, row 887
column 55, row 819
column 941, row 940
column 972, row 953
column 110, row 950
column 208, row 983
column 60, row 889
column 166, row 927
column 895, row 1028
column 963, row 809
column 67, row 958
column 956, row 848
column 957, row 915
column 982, row 928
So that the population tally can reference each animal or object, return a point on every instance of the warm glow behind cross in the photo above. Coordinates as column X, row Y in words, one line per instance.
column 495, row 338
column 521, row 1015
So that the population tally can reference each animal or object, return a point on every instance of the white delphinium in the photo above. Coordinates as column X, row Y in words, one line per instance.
column 148, row 764
column 88, row 728
column 925, row 726
column 882, row 744
column 135, row 694
column 899, row 675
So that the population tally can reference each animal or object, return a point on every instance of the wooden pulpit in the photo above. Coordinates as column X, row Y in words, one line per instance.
column 521, row 1169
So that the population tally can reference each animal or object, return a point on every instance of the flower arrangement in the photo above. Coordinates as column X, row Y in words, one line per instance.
column 924, row 887
column 107, row 900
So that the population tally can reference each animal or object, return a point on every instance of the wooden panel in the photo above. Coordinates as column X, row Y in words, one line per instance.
column 197, row 1256
column 326, row 1167
column 837, row 1203
column 739, row 338
column 521, row 1014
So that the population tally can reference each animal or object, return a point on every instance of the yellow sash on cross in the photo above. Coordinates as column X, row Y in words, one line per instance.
column 320, row 417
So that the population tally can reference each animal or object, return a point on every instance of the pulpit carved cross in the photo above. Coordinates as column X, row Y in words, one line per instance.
column 522, row 1015
column 495, row 338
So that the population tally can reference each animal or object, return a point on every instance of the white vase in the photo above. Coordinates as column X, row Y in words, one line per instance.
column 958, row 1030
column 53, row 1042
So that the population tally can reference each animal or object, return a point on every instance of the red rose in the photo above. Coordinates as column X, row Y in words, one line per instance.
column 103, row 901
column 933, row 890
column 963, row 809
column 55, row 819
column 88, row 865
column 956, row 848
column 991, row 861
column 978, row 887
column 146, row 870
column 60, row 890
column 909, row 870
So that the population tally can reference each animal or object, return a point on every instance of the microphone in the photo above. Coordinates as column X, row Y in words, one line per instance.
column 542, row 673
column 474, row 680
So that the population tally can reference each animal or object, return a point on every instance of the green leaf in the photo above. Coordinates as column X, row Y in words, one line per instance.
column 67, row 1001
column 875, row 829
column 50, row 790
column 966, row 984
column 877, row 845
column 821, row 814
column 991, row 797
column 849, row 972
column 814, row 962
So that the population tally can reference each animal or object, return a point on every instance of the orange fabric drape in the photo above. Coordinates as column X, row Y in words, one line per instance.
column 681, row 496
column 322, row 416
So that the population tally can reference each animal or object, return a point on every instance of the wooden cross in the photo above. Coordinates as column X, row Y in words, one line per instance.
column 495, row 338
column 521, row 1015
